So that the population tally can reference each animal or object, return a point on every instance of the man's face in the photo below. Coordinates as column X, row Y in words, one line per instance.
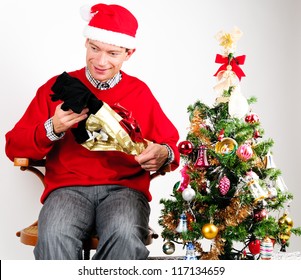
column 104, row 60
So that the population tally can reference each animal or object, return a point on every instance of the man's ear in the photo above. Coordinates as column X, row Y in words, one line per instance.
column 129, row 53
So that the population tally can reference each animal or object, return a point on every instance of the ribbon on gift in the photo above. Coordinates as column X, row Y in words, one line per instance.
column 233, row 61
column 128, row 123
column 123, row 131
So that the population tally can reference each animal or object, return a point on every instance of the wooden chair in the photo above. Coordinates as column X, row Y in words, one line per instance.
column 29, row 235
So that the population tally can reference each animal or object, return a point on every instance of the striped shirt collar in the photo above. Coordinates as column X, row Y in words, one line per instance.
column 104, row 85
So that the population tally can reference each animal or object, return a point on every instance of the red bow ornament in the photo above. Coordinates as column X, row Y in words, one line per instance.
column 234, row 62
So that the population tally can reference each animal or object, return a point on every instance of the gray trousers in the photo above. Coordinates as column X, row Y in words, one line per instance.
column 119, row 215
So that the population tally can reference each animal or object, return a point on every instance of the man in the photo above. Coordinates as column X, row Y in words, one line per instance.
column 105, row 191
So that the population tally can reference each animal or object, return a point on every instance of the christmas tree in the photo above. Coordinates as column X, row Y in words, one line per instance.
column 230, row 190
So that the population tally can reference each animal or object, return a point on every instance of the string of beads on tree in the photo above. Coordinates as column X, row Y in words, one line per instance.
column 230, row 191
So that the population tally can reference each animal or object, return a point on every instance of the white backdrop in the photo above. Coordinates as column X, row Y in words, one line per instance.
column 175, row 57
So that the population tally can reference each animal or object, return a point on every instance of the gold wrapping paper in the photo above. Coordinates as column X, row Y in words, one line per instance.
column 108, row 135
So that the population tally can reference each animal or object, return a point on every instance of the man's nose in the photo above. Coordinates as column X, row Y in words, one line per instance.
column 102, row 59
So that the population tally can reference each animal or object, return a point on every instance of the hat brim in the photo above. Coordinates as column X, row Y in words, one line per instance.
column 110, row 37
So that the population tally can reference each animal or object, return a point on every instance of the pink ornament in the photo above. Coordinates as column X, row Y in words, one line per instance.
column 185, row 179
column 185, row 147
column 202, row 161
column 224, row 185
column 260, row 214
column 244, row 152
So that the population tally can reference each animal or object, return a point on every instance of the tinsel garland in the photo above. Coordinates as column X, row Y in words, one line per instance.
column 234, row 214
column 169, row 221
column 196, row 123
column 217, row 248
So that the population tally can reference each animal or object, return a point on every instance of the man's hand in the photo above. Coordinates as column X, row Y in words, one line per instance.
column 63, row 120
column 153, row 157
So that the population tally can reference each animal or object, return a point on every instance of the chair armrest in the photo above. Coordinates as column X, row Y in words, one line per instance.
column 26, row 162
column 31, row 165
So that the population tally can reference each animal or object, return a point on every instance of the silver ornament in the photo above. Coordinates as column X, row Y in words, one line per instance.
column 168, row 248
column 188, row 194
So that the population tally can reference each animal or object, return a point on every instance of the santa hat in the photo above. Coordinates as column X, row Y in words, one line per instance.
column 111, row 24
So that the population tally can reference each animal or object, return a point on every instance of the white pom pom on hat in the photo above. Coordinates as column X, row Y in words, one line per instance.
column 85, row 12
column 111, row 24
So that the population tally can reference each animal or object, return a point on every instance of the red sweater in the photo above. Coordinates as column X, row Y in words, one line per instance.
column 67, row 162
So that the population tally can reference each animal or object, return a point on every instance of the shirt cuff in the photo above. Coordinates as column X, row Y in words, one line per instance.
column 50, row 133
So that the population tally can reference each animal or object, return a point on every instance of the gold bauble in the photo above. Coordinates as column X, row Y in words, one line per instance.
column 286, row 220
column 226, row 146
column 209, row 231
column 285, row 223
column 285, row 236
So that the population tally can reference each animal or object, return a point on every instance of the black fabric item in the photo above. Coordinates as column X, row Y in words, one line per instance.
column 76, row 96
column 80, row 133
